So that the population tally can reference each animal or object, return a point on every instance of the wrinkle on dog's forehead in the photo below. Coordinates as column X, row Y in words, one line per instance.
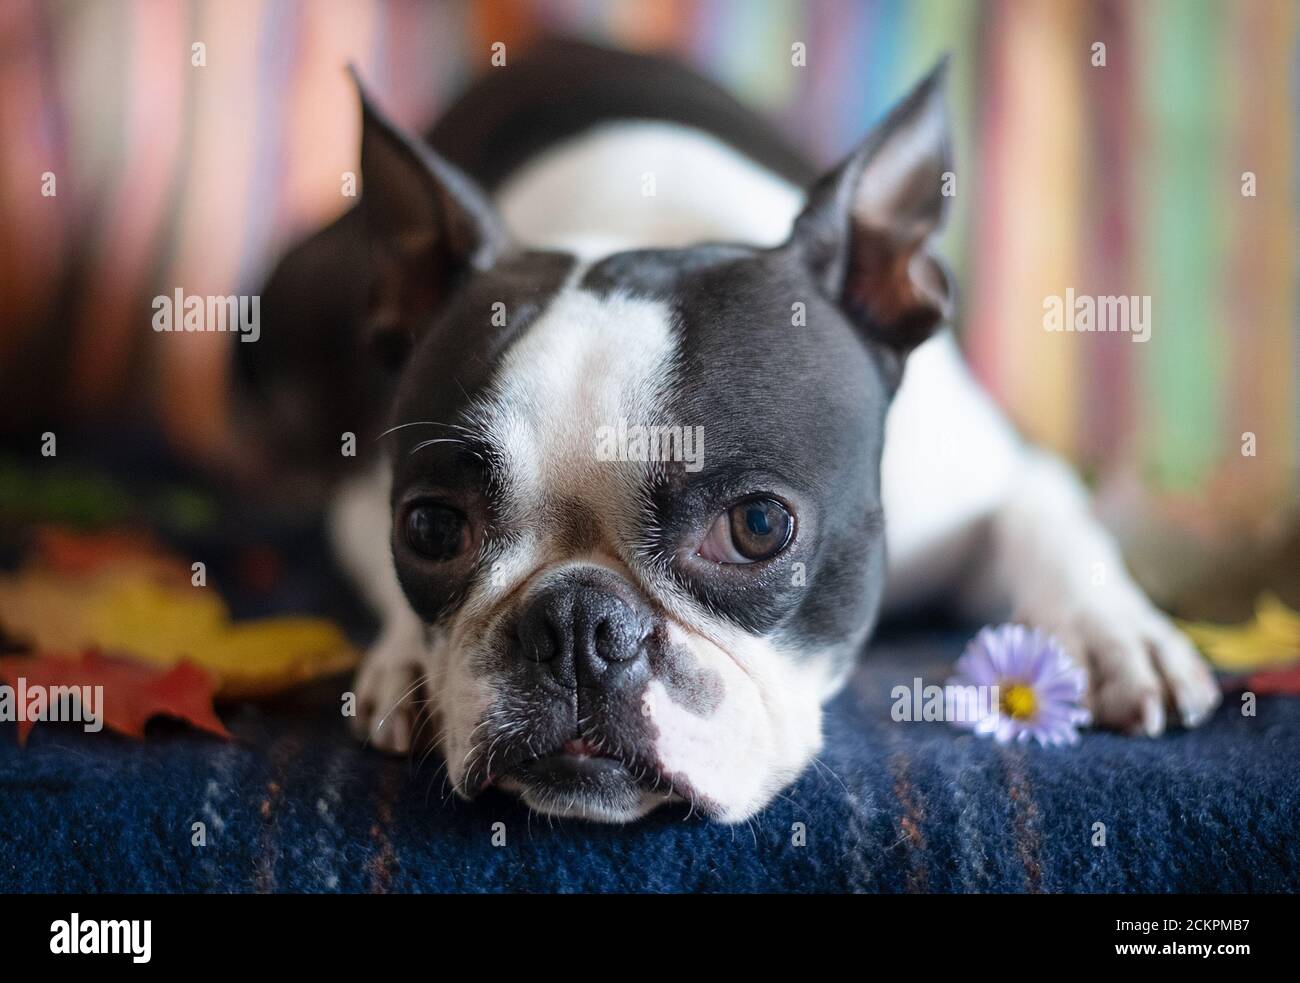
column 578, row 527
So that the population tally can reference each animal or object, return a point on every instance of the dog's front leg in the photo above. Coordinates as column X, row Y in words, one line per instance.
column 1062, row 572
column 395, row 670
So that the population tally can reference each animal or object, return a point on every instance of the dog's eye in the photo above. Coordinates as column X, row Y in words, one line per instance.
column 751, row 530
column 436, row 531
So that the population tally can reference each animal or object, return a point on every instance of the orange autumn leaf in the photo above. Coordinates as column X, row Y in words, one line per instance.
column 132, row 694
column 118, row 551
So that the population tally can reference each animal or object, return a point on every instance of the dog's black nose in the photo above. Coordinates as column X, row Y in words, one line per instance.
column 588, row 628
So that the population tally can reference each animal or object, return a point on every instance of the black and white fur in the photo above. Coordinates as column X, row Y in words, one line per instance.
column 676, row 307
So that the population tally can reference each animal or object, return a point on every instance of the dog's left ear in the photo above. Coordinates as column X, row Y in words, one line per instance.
column 866, row 228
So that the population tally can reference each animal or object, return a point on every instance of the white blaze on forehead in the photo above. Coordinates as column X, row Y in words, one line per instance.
column 586, row 363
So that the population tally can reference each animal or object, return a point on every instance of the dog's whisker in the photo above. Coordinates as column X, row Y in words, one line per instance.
column 429, row 443
column 420, row 681
column 418, row 423
column 818, row 762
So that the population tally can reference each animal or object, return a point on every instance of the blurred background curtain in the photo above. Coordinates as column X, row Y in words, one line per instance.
column 1125, row 178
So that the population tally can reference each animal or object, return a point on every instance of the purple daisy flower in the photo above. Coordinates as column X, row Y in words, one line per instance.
column 1039, row 688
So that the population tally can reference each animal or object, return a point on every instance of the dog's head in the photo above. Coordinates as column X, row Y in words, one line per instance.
column 637, row 501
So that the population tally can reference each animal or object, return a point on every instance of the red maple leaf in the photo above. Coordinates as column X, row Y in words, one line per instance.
column 1276, row 681
column 133, row 694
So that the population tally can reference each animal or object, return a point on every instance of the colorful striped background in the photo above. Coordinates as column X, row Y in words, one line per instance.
column 1123, row 179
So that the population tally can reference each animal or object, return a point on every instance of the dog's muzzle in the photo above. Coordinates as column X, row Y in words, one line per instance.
column 570, row 725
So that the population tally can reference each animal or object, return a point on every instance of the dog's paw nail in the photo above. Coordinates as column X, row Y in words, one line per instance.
column 1195, row 714
column 1153, row 716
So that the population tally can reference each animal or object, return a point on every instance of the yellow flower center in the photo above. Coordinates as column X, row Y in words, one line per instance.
column 1018, row 701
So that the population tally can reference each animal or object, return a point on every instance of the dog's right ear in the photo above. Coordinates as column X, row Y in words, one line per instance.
column 430, row 227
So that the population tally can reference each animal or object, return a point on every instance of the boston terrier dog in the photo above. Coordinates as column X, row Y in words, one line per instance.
column 594, row 244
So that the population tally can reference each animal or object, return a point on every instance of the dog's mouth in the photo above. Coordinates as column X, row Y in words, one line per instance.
column 577, row 770
column 577, row 767
column 581, row 779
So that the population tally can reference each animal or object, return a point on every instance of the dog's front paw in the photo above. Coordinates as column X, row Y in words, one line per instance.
column 389, row 690
column 1141, row 669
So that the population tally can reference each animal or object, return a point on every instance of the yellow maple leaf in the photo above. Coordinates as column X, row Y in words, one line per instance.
column 1271, row 638
column 144, row 619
